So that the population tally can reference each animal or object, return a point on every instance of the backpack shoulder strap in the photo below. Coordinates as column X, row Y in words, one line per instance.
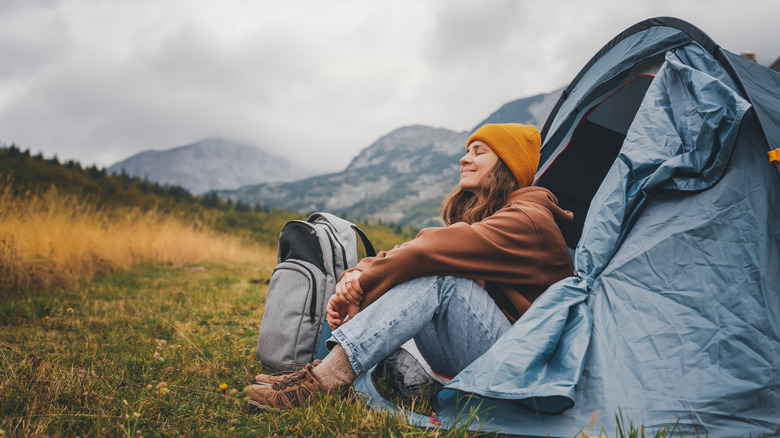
column 370, row 251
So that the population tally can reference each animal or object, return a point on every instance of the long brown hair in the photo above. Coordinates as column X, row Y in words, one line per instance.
column 464, row 206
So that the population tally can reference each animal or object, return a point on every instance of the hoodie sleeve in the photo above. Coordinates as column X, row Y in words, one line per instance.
column 507, row 247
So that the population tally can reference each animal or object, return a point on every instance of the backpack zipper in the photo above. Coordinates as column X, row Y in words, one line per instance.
column 343, row 250
column 333, row 251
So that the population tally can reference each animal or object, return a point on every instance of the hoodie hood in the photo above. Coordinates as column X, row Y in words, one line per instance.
column 543, row 198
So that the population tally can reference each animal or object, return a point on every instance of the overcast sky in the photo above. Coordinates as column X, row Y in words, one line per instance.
column 314, row 81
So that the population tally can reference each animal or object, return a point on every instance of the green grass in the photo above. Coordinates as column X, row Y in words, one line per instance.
column 144, row 352
column 82, row 363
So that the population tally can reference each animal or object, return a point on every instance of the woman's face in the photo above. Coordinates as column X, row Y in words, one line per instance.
column 475, row 165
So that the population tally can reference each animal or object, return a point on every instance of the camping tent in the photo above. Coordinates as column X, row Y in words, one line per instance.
column 660, row 148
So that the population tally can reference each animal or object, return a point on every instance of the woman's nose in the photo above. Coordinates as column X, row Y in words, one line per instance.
column 465, row 159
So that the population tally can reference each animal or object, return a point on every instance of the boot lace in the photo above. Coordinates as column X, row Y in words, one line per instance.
column 293, row 379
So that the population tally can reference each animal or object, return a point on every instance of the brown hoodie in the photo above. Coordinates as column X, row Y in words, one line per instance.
column 516, row 253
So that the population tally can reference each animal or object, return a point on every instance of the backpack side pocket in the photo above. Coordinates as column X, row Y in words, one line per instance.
column 291, row 320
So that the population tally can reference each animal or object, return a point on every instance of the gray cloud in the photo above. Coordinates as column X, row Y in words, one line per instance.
column 313, row 81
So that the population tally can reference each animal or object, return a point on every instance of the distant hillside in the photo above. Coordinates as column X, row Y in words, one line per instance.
column 400, row 178
column 22, row 172
column 530, row 110
column 211, row 164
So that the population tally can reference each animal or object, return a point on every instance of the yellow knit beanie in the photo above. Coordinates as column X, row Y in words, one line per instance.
column 517, row 146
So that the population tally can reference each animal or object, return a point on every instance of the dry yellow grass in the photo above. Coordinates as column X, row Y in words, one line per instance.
column 59, row 240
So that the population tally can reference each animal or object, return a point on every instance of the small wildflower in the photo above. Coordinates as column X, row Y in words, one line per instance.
column 136, row 415
column 70, row 310
column 124, row 402
column 46, row 317
column 81, row 373
column 148, row 387
column 223, row 387
column 162, row 388
column 108, row 398
column 157, row 357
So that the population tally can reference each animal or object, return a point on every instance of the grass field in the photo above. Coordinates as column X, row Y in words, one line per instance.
column 144, row 353
column 51, row 240
column 128, row 322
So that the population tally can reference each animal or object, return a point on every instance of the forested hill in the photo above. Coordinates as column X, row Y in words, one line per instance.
column 22, row 172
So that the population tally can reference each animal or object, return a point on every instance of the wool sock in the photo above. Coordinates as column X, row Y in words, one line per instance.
column 335, row 370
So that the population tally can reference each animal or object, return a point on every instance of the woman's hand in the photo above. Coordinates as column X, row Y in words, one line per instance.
column 348, row 288
column 335, row 312
column 346, row 300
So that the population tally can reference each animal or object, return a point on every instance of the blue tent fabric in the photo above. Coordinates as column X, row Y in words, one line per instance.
column 683, row 326
column 673, row 314
column 609, row 67
column 763, row 87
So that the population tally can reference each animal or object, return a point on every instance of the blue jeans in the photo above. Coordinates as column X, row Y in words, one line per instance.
column 453, row 321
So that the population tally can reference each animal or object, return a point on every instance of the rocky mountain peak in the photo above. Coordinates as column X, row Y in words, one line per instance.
column 409, row 141
column 211, row 164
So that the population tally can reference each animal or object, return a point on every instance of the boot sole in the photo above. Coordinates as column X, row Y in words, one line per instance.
column 262, row 406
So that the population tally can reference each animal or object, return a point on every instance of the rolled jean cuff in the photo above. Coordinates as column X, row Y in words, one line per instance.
column 347, row 346
column 331, row 342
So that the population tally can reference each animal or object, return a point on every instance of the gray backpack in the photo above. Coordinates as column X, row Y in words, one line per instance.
column 312, row 256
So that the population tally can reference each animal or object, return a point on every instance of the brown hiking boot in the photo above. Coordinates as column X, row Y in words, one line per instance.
column 293, row 390
column 268, row 379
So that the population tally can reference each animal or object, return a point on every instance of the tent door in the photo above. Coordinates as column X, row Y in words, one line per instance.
column 579, row 169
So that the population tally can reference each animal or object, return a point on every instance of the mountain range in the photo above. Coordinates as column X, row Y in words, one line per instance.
column 402, row 177
column 210, row 164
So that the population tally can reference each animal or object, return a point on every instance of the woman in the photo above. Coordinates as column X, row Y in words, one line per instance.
column 456, row 289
